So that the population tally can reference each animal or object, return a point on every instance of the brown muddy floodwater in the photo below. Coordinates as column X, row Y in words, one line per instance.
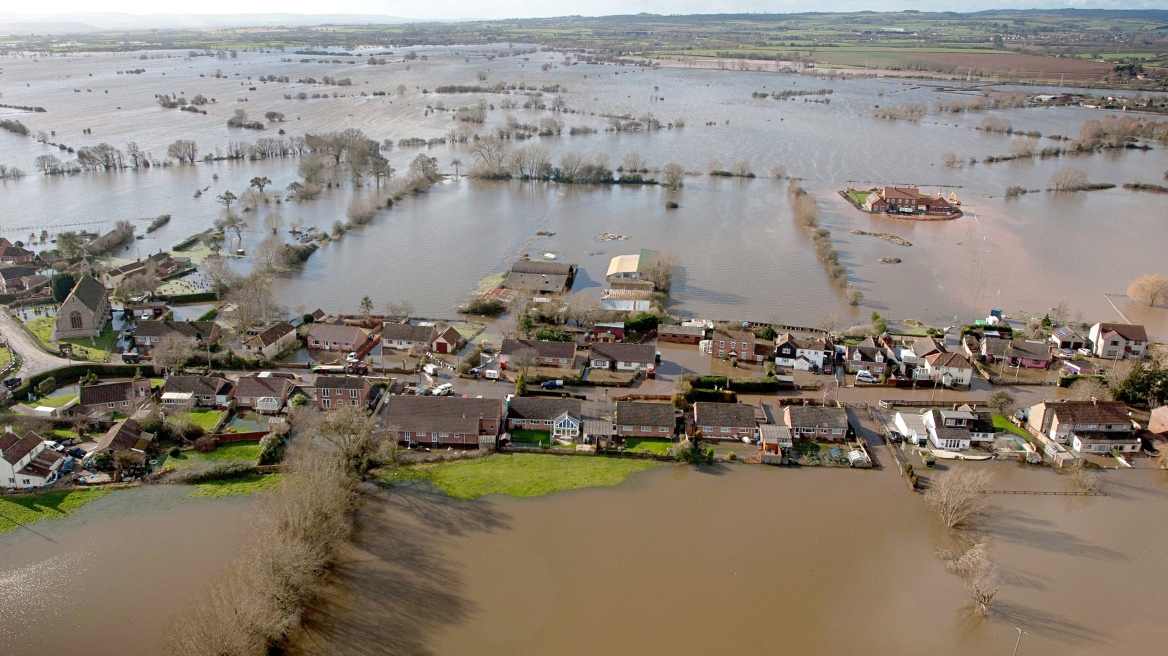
column 744, row 560
column 110, row 578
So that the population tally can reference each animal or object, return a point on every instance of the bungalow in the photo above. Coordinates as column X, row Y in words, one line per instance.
column 681, row 333
column 16, row 255
column 336, row 391
column 197, row 391
column 447, row 340
column 1067, row 338
column 804, row 354
column 127, row 436
column 951, row 369
column 106, row 398
column 263, row 392
column 445, row 420
column 868, row 356
column 725, row 421
column 632, row 271
column 560, row 417
column 641, row 419
column 733, row 345
column 160, row 264
column 773, row 438
column 519, row 353
column 1092, row 426
column 15, row 278
column 816, row 423
column 273, row 341
column 337, row 337
column 622, row 357
column 149, row 333
column 1032, row 355
column 407, row 336
column 1118, row 340
column 27, row 461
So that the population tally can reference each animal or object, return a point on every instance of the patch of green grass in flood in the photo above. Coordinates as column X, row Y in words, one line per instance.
column 241, row 451
column 648, row 445
column 235, row 486
column 19, row 510
column 519, row 474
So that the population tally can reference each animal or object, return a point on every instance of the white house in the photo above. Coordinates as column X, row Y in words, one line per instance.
column 27, row 461
column 804, row 354
column 912, row 426
column 272, row 342
column 622, row 357
column 1118, row 340
column 951, row 369
column 1092, row 426
column 949, row 429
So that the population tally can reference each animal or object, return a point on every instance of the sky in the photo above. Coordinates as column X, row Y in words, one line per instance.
column 460, row 9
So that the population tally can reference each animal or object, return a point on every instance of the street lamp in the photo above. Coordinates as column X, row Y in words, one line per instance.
column 1018, row 641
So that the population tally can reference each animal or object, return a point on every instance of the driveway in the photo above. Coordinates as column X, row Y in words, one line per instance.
column 35, row 360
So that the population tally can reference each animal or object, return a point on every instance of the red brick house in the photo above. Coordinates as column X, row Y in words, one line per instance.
column 445, row 420
column 725, row 421
column 640, row 419
column 265, row 394
column 735, row 344
column 122, row 397
column 906, row 200
column 816, row 423
column 336, row 337
column 681, row 334
column 407, row 336
column 541, row 353
column 16, row 255
column 336, row 391
column 559, row 417
column 447, row 341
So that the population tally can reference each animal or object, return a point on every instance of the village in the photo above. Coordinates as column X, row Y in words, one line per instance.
column 160, row 380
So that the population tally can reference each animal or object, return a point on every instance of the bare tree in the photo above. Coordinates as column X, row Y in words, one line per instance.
column 662, row 270
column 1086, row 389
column 173, row 351
column 978, row 572
column 399, row 309
column 1023, row 147
column 269, row 255
column 273, row 222
column 1068, row 178
column 137, row 285
column 183, row 150
column 673, row 176
column 1084, row 477
column 1060, row 312
column 1151, row 289
column 634, row 162
column 741, row 169
column 956, row 495
column 1002, row 402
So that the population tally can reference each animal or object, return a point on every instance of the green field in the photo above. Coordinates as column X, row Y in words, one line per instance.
column 234, row 451
column 1004, row 425
column 235, row 486
column 205, row 419
column 519, row 474
column 55, row 401
column 523, row 436
column 19, row 510
column 648, row 445
column 96, row 349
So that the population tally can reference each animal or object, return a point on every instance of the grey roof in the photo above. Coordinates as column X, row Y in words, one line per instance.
column 774, row 434
column 1028, row 350
column 807, row 344
column 597, row 427
column 335, row 332
column 273, row 334
column 340, row 382
column 197, row 385
column 732, row 415
column 16, row 272
column 408, row 332
column 89, row 292
column 1090, row 412
column 637, row 413
column 541, row 348
column 549, row 268
column 535, row 407
column 814, row 416
column 254, row 386
column 442, row 414
column 925, row 346
column 1067, row 333
column 640, row 353
column 679, row 329
column 106, row 393
column 125, row 435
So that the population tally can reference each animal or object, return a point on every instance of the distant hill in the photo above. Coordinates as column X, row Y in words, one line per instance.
column 75, row 23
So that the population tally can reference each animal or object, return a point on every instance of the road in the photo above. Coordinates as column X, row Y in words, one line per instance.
column 35, row 360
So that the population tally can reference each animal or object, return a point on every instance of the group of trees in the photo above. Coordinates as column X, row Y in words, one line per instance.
column 957, row 496
column 1151, row 289
column 806, row 213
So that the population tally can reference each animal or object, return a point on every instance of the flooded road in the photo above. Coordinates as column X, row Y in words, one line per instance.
column 746, row 560
column 741, row 253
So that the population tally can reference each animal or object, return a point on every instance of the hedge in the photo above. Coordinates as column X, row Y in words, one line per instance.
column 199, row 297
column 1067, row 381
column 749, row 385
column 712, row 396
column 70, row 374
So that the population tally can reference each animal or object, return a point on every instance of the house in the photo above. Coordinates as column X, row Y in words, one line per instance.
column 1024, row 353
column 145, row 310
column 950, row 369
column 681, row 333
column 106, row 398
column 337, row 337
column 949, row 429
column 264, row 393
column 127, row 436
column 1067, row 338
column 1092, row 426
column 27, row 461
column 809, row 354
column 161, row 264
column 773, row 438
column 447, row 340
column 520, row 353
column 971, row 346
column 337, row 391
column 197, row 391
column 15, row 278
column 921, row 348
column 445, row 420
column 16, row 255
column 725, row 421
column 642, row 419
column 1118, row 340
column 868, row 356
column 733, row 345
column 816, row 423
column 84, row 312
column 981, row 427
column 906, row 200
column 150, row 333
column 1158, row 424
column 626, row 300
column 407, row 336
column 632, row 271
column 622, row 357
column 612, row 331
column 912, row 426
column 560, row 417
column 535, row 277
column 270, row 343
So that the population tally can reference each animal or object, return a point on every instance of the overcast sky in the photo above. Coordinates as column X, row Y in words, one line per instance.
column 454, row 9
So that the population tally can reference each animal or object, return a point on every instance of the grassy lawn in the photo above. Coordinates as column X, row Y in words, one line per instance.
column 531, row 437
column 241, row 451
column 1002, row 424
column 205, row 419
column 55, row 401
column 16, row 511
column 5, row 356
column 858, row 196
column 648, row 445
column 235, row 486
column 519, row 474
column 95, row 350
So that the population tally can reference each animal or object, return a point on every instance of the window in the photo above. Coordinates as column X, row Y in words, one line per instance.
column 111, row 404
column 626, row 427
column 325, row 392
column 352, row 394
column 722, row 343
column 326, row 403
column 662, row 429
column 723, row 429
column 406, row 435
column 837, row 431
column 75, row 320
column 444, row 434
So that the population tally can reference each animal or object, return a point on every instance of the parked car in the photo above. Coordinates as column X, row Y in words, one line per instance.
column 56, row 446
column 1085, row 352
column 864, row 376
column 12, row 383
column 77, row 452
column 422, row 391
column 552, row 384
column 1065, row 354
column 131, row 358
column 445, row 389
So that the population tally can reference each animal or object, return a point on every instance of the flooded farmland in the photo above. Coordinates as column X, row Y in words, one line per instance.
column 741, row 252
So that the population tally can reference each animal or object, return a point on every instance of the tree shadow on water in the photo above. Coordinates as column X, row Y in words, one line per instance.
column 396, row 587
column 1041, row 622
column 1030, row 531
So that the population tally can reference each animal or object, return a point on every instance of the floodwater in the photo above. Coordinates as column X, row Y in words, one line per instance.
column 111, row 577
column 746, row 560
column 742, row 255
